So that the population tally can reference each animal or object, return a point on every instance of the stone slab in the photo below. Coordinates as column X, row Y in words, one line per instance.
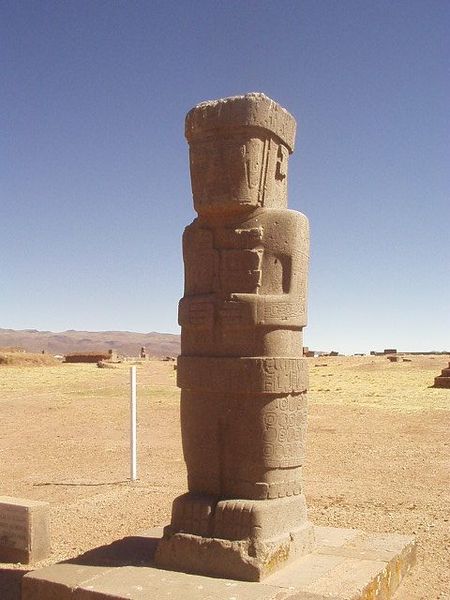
column 346, row 565
column 24, row 530
column 59, row 582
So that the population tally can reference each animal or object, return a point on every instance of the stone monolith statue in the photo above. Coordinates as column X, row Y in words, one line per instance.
column 241, row 372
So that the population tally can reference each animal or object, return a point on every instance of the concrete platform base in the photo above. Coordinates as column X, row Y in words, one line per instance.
column 346, row 564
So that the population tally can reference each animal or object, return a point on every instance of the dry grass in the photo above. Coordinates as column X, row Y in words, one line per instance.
column 377, row 453
column 27, row 359
column 376, row 382
column 62, row 382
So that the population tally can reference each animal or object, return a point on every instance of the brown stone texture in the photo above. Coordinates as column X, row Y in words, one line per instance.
column 24, row 530
column 241, row 370
column 443, row 380
column 346, row 564
column 394, row 358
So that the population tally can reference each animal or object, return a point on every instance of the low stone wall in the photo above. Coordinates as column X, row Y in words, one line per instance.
column 86, row 357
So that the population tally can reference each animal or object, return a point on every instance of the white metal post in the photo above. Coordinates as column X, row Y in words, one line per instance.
column 133, row 454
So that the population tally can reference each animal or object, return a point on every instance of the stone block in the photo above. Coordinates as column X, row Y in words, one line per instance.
column 349, row 565
column 345, row 565
column 24, row 530
column 442, row 382
column 135, row 583
column 243, row 559
column 58, row 582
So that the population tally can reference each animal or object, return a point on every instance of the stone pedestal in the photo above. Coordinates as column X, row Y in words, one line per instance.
column 243, row 539
column 345, row 564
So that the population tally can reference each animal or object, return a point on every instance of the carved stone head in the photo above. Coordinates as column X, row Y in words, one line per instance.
column 239, row 149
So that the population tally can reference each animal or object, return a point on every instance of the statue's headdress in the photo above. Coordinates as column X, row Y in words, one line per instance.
column 252, row 110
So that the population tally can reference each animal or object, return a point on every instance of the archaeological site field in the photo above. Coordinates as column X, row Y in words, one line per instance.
column 378, row 454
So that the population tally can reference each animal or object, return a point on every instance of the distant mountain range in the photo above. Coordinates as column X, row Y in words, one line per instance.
column 125, row 342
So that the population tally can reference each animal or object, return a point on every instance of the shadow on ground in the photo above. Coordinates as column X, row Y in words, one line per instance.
column 133, row 551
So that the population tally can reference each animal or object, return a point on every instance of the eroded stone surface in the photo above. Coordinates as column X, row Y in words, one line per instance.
column 242, row 374
column 24, row 530
column 346, row 564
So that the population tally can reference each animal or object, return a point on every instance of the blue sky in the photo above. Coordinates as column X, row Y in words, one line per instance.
column 94, row 182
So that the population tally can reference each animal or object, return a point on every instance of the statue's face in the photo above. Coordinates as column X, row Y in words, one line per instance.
column 226, row 173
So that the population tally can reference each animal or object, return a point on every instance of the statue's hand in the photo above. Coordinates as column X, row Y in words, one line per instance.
column 237, row 313
column 196, row 313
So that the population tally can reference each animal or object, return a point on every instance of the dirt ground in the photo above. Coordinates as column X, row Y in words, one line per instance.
column 378, row 455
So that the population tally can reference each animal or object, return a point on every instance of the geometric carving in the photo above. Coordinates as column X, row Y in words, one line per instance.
column 269, row 375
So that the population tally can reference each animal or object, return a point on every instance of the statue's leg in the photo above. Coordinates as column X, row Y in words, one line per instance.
column 193, row 512
column 200, row 431
column 264, row 446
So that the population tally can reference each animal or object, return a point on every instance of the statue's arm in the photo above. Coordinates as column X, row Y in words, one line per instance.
column 287, row 309
column 196, row 308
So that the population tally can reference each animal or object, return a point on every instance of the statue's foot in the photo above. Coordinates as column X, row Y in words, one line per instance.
column 193, row 513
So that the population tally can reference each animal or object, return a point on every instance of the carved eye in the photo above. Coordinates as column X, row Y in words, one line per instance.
column 282, row 159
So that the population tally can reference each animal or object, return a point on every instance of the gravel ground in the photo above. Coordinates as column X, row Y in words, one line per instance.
column 377, row 455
